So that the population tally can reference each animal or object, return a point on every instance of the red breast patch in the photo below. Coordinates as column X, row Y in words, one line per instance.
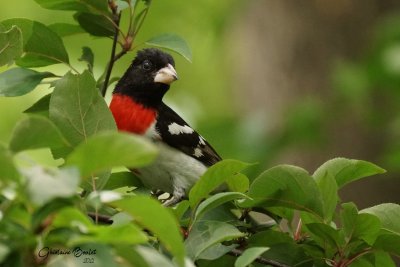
column 131, row 116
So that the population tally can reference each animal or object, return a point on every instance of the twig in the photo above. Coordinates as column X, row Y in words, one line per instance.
column 244, row 215
column 112, row 57
column 72, row 68
column 297, row 234
column 238, row 252
column 100, row 218
column 120, row 54
column 131, row 15
column 358, row 255
column 96, row 213
column 141, row 21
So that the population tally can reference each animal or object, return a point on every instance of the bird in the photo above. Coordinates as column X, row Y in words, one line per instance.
column 138, row 107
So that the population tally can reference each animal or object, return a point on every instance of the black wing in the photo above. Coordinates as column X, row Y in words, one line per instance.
column 187, row 140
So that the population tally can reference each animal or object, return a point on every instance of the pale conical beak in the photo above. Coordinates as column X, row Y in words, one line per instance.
column 166, row 75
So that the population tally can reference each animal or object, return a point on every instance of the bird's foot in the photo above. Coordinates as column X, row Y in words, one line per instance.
column 175, row 197
column 172, row 201
column 157, row 193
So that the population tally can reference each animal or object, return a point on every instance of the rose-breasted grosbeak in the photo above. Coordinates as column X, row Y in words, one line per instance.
column 137, row 107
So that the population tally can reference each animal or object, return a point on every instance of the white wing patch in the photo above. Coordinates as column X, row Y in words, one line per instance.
column 176, row 129
column 201, row 141
column 197, row 153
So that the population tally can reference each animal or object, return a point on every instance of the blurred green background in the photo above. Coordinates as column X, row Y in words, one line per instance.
column 294, row 82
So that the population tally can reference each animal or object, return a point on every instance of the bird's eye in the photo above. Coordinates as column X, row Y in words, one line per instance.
column 147, row 65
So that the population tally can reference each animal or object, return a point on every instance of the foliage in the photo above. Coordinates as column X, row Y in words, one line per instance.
column 373, row 81
column 83, row 212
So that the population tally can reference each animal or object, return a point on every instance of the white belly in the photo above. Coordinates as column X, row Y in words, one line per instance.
column 172, row 171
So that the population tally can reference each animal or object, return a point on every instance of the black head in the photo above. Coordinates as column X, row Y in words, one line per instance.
column 148, row 77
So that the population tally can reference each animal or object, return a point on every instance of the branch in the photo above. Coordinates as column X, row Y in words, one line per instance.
column 120, row 54
column 113, row 49
column 127, row 42
column 238, row 252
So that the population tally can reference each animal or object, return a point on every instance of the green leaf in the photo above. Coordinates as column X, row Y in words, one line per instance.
column 147, row 2
column 151, row 257
column 19, row 81
column 214, row 177
column 121, row 218
column 215, row 201
column 324, row 234
column 139, row 18
column 122, row 179
column 150, row 214
column 40, row 215
column 388, row 214
column 122, row 149
column 348, row 216
column 4, row 251
column 88, row 57
column 103, row 257
column 122, row 4
column 224, row 261
column 383, row 259
column 113, row 234
column 40, row 107
column 306, row 217
column 221, row 213
column 238, row 183
column 47, row 184
column 95, row 25
column 36, row 132
column 42, row 46
column 359, row 226
column 347, row 170
column 172, row 42
column 8, row 171
column 388, row 242
column 269, row 238
column 98, row 6
column 10, row 45
column 286, row 186
column 329, row 193
column 131, row 257
column 78, row 110
column 205, row 234
column 65, row 29
column 179, row 210
column 215, row 252
column 71, row 217
column 362, row 262
column 97, row 198
column 101, row 180
column 17, row 214
column 249, row 255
